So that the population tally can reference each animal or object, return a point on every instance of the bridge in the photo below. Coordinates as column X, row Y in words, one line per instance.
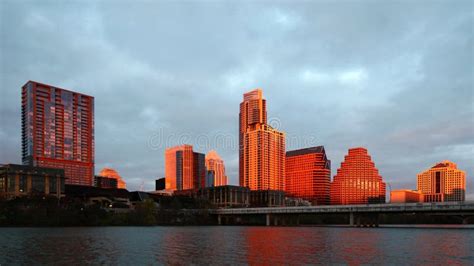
column 359, row 215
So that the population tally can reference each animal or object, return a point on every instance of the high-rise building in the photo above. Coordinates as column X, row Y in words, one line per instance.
column 184, row 168
column 308, row 175
column 58, row 131
column 357, row 180
column 111, row 173
column 216, row 164
column 261, row 147
column 442, row 182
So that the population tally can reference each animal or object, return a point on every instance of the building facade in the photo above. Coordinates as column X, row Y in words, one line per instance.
column 105, row 182
column 261, row 147
column 357, row 180
column 58, row 131
column 308, row 175
column 405, row 196
column 22, row 180
column 111, row 173
column 442, row 182
column 184, row 168
column 267, row 198
column 215, row 164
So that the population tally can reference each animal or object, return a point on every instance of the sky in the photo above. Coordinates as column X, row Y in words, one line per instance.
column 395, row 77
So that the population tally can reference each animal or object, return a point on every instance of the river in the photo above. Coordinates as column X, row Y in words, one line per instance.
column 232, row 245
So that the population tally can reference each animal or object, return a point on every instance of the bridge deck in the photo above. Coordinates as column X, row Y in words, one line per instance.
column 463, row 207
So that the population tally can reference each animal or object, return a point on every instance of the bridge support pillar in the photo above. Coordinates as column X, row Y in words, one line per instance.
column 351, row 219
column 219, row 219
column 267, row 218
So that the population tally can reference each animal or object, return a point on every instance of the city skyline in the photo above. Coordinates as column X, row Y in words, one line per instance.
column 335, row 102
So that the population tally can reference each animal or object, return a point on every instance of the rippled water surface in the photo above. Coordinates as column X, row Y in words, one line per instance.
column 236, row 245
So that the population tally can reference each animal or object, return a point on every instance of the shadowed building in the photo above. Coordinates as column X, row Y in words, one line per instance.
column 261, row 148
column 184, row 168
column 111, row 173
column 21, row 180
column 308, row 175
column 442, row 182
column 105, row 182
column 215, row 164
column 357, row 180
column 160, row 184
column 58, row 131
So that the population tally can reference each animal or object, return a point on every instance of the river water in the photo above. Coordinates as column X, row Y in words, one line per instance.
column 232, row 245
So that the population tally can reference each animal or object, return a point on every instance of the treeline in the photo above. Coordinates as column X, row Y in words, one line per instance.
column 46, row 211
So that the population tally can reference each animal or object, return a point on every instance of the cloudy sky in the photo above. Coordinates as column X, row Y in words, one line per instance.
column 396, row 77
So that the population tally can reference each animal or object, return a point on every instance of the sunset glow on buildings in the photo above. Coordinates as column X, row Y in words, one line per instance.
column 261, row 147
column 442, row 182
column 357, row 180
column 111, row 173
column 405, row 196
column 58, row 131
column 184, row 168
column 308, row 175
column 216, row 164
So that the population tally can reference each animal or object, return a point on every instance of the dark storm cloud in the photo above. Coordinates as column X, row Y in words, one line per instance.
column 394, row 77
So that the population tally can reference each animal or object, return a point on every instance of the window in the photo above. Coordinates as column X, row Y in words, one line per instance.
column 37, row 183
column 23, row 183
column 53, row 185
column 11, row 183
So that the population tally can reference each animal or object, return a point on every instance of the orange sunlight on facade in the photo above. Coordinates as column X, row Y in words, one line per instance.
column 111, row 173
column 405, row 196
column 261, row 147
column 184, row 169
column 357, row 180
column 308, row 175
column 216, row 164
column 442, row 182
column 58, row 131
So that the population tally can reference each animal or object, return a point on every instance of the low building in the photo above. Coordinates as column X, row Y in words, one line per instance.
column 106, row 198
column 267, row 198
column 21, row 180
column 405, row 196
column 105, row 182
column 226, row 196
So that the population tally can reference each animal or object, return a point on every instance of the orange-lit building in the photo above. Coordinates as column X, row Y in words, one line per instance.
column 111, row 173
column 357, row 180
column 58, row 131
column 184, row 168
column 216, row 164
column 442, row 182
column 261, row 147
column 308, row 175
column 405, row 196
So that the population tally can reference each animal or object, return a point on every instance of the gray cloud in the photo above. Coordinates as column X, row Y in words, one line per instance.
column 394, row 77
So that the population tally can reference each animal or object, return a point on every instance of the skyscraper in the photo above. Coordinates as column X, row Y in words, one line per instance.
column 308, row 175
column 58, row 131
column 216, row 164
column 442, row 182
column 261, row 147
column 357, row 180
column 184, row 168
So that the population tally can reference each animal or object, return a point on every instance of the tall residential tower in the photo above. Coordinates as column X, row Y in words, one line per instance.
column 261, row 147
column 58, row 131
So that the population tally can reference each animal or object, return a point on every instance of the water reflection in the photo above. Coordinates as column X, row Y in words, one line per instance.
column 235, row 245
